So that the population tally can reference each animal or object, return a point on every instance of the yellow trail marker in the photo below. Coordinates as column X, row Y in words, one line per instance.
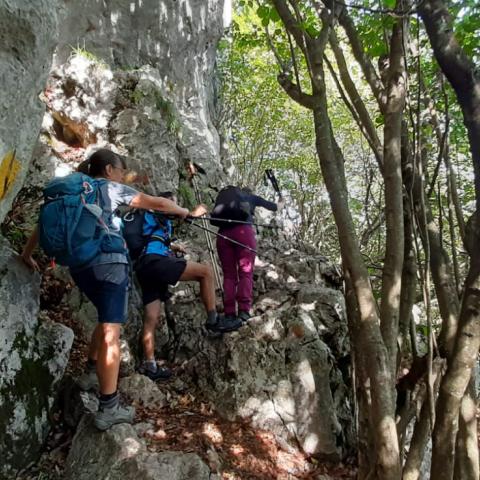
column 9, row 168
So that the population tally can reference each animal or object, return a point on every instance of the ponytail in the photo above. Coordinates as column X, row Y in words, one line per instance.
column 84, row 167
column 97, row 162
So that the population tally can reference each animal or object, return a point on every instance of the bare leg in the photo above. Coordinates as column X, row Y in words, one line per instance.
column 203, row 273
column 95, row 342
column 150, row 322
column 108, row 360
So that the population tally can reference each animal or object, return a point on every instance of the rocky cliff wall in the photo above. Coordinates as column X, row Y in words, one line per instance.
column 28, row 32
column 175, row 43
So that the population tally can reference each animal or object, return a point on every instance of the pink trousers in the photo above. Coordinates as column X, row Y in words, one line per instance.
column 237, row 264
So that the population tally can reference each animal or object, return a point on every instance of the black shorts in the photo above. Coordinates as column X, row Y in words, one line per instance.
column 155, row 273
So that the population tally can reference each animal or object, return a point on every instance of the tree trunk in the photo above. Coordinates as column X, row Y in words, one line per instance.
column 462, row 75
column 409, row 284
column 466, row 451
column 441, row 269
column 409, row 274
column 370, row 131
column 374, row 353
column 420, row 437
column 421, row 432
column 457, row 377
column 460, row 71
column 392, row 174
column 365, row 441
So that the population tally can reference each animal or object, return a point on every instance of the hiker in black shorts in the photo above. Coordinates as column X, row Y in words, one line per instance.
column 156, row 269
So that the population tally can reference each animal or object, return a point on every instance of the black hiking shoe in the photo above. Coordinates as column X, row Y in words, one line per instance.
column 225, row 324
column 161, row 374
column 244, row 316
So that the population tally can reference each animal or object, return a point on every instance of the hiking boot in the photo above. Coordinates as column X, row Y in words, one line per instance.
column 226, row 324
column 106, row 418
column 88, row 381
column 162, row 373
column 244, row 316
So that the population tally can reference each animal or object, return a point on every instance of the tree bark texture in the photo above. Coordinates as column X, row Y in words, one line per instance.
column 409, row 273
column 460, row 72
column 464, row 78
column 466, row 450
column 457, row 377
column 394, row 244
column 409, row 284
column 365, row 441
column 440, row 266
column 357, row 102
column 421, row 432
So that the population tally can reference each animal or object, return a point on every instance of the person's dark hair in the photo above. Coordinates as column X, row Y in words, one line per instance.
column 97, row 162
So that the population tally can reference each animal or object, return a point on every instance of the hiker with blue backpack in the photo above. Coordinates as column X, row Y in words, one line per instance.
column 79, row 227
column 157, row 265
column 236, row 245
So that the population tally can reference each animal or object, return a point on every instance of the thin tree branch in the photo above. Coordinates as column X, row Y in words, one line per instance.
column 294, row 92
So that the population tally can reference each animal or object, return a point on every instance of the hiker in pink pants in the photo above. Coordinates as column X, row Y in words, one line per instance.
column 238, row 262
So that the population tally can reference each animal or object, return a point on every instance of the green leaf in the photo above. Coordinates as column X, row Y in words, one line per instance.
column 263, row 11
column 274, row 16
column 312, row 31
column 379, row 120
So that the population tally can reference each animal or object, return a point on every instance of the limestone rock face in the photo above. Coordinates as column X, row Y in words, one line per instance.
column 33, row 358
column 119, row 454
column 27, row 39
column 287, row 369
column 141, row 389
column 178, row 40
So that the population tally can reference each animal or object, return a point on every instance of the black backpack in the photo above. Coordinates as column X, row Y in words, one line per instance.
column 231, row 204
column 133, row 234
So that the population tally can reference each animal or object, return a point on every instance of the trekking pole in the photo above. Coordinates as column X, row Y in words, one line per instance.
column 191, row 222
column 273, row 180
column 240, row 222
column 192, row 170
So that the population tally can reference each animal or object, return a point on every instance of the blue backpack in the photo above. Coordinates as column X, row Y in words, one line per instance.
column 71, row 228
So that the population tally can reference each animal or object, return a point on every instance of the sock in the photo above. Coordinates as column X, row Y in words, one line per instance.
column 109, row 400
column 151, row 365
column 91, row 365
column 212, row 317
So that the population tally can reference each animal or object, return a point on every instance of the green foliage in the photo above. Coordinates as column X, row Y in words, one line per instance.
column 165, row 106
column 168, row 111
column 83, row 52
column 186, row 195
column 137, row 96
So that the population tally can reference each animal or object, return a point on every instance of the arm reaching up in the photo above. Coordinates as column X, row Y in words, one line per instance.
column 26, row 255
column 161, row 204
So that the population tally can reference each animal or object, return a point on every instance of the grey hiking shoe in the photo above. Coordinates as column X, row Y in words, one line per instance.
column 88, row 381
column 106, row 418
